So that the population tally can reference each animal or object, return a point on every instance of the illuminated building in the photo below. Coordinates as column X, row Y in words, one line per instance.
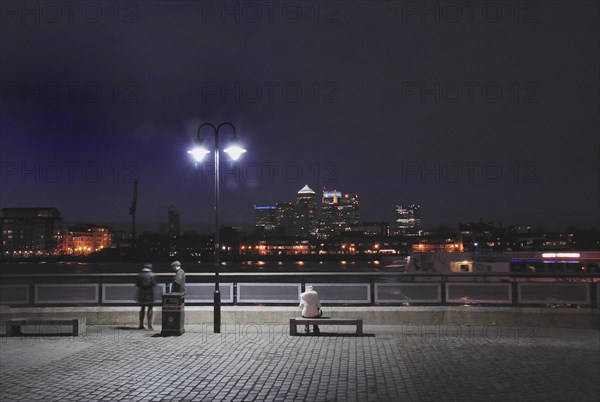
column 338, row 213
column 29, row 232
column 85, row 239
column 265, row 218
column 408, row 219
column 448, row 246
column 277, row 248
column 371, row 228
column 279, row 219
column 306, row 216
column 172, row 227
column 173, row 222
column 285, row 213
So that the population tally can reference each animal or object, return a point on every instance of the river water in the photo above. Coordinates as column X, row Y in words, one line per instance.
column 77, row 268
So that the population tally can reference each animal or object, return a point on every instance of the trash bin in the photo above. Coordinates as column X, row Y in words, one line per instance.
column 173, row 317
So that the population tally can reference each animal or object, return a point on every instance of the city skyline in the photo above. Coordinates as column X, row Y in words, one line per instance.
column 281, row 230
column 407, row 216
column 491, row 117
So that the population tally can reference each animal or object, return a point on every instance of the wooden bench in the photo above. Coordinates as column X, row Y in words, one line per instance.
column 13, row 325
column 325, row 321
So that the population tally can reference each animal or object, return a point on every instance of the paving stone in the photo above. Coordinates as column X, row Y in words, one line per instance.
column 386, row 365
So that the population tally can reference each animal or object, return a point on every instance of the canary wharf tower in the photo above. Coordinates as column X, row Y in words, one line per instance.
column 306, row 212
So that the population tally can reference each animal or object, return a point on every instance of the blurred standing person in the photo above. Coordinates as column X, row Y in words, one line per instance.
column 179, row 279
column 146, row 281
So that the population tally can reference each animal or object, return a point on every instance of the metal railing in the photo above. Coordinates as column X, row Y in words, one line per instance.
column 335, row 288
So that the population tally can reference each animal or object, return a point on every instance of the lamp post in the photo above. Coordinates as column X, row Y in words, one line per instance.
column 198, row 153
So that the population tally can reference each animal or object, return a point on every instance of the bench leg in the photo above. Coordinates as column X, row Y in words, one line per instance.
column 75, row 328
column 13, row 329
column 359, row 329
column 293, row 328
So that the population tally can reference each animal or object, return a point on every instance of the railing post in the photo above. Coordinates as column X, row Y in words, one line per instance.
column 372, row 293
column 514, row 287
column 31, row 294
column 594, row 301
column 443, row 289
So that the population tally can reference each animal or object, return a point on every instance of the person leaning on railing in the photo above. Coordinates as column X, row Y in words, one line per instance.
column 178, row 285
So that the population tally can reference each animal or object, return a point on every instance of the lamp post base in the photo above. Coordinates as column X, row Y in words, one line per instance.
column 217, row 312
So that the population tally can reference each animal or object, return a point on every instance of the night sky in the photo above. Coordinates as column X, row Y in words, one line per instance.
column 489, row 111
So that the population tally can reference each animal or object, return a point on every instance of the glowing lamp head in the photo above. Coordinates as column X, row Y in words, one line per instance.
column 199, row 151
column 235, row 150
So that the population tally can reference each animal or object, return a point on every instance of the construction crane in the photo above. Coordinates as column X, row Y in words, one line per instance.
column 132, row 210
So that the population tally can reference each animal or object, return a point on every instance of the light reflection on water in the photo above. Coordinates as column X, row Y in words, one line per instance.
column 79, row 267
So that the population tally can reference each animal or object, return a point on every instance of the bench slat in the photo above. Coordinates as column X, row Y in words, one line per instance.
column 325, row 320
column 41, row 322
column 13, row 325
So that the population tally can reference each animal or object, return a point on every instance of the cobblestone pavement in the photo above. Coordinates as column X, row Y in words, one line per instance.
column 246, row 363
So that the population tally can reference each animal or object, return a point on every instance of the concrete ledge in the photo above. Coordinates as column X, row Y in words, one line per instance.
column 377, row 315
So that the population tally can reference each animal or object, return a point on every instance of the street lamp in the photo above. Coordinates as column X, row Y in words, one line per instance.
column 198, row 153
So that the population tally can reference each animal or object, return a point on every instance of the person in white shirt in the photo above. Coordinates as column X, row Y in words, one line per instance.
column 311, row 307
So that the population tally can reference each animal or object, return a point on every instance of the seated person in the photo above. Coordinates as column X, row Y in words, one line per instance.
column 311, row 307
